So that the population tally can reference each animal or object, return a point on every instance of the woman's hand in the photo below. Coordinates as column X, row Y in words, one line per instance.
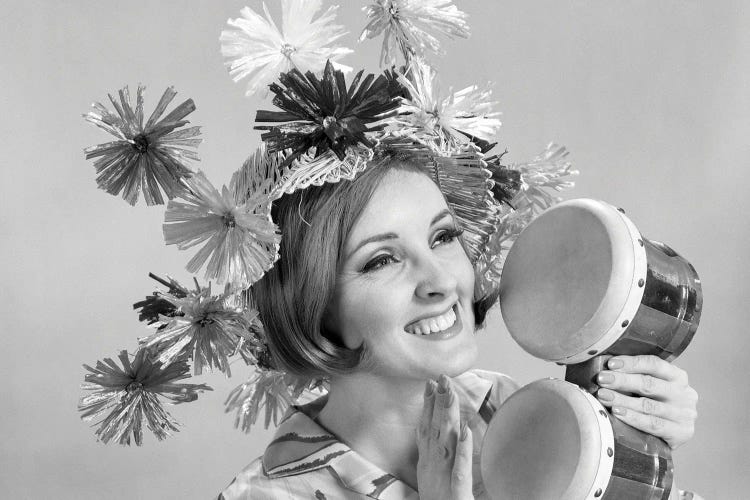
column 662, row 402
column 445, row 447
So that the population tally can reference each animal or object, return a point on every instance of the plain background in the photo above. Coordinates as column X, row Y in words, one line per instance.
column 651, row 98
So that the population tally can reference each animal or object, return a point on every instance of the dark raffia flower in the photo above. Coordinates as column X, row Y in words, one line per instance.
column 408, row 27
column 146, row 156
column 324, row 113
column 130, row 394
column 241, row 242
column 507, row 181
column 154, row 306
column 210, row 330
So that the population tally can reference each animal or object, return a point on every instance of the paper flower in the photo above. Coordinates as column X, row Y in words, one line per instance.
column 546, row 173
column 156, row 306
column 446, row 122
column 327, row 168
column 464, row 180
column 272, row 390
column 207, row 331
column 130, row 394
column 409, row 27
column 257, row 50
column 324, row 114
column 506, row 181
column 241, row 240
column 147, row 157
column 258, row 177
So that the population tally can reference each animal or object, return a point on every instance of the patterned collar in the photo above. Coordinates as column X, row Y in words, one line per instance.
column 301, row 445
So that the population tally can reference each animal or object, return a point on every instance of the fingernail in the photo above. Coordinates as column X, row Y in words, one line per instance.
column 443, row 384
column 606, row 395
column 606, row 378
column 620, row 412
column 464, row 432
column 428, row 389
column 615, row 364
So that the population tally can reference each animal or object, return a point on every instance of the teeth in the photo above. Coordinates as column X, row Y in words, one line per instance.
column 433, row 325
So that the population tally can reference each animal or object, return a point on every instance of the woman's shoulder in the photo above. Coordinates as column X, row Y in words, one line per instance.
column 252, row 483
column 496, row 387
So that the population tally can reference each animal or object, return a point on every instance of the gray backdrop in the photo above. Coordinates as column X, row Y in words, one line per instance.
column 650, row 98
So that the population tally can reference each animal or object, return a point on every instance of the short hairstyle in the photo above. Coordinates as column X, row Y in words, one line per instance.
column 292, row 297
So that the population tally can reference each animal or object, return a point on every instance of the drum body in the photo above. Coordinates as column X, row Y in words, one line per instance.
column 552, row 440
column 581, row 281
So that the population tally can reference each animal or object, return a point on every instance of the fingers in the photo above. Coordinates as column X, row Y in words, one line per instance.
column 644, row 385
column 646, row 406
column 461, row 474
column 672, row 432
column 424, row 428
column 446, row 410
column 649, row 365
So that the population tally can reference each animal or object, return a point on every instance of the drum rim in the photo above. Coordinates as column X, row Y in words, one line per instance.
column 633, row 301
column 603, row 426
column 610, row 321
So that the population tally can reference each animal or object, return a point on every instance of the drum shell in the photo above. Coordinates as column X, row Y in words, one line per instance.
column 670, row 308
column 518, row 453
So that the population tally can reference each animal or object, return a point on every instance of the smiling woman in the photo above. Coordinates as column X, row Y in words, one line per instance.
column 374, row 291
column 329, row 250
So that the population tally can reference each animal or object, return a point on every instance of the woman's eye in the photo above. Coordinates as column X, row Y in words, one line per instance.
column 378, row 263
column 449, row 235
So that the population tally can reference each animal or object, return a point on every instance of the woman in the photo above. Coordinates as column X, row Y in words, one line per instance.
column 374, row 291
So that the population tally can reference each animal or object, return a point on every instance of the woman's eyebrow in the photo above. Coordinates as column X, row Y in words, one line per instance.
column 393, row 236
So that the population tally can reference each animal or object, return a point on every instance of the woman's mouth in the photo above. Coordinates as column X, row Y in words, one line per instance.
column 443, row 325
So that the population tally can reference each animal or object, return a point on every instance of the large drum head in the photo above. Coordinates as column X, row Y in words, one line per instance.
column 569, row 279
column 549, row 440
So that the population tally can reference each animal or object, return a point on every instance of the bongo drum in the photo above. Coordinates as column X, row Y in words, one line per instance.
column 552, row 440
column 581, row 281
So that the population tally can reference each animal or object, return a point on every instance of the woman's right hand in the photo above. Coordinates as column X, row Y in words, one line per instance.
column 445, row 447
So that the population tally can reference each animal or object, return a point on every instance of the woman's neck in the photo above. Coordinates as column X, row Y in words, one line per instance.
column 377, row 417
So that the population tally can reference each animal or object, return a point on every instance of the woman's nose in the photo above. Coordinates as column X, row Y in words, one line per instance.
column 434, row 278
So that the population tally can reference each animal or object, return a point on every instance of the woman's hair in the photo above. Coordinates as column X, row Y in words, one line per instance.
column 292, row 297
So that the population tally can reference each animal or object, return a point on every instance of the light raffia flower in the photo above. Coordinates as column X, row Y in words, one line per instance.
column 147, row 157
column 132, row 393
column 241, row 240
column 257, row 50
column 272, row 390
column 208, row 330
column 408, row 26
column 444, row 122
column 546, row 174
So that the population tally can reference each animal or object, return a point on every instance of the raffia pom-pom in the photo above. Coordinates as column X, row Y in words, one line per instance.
column 122, row 398
column 149, row 157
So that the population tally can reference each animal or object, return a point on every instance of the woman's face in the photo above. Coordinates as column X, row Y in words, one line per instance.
column 405, row 285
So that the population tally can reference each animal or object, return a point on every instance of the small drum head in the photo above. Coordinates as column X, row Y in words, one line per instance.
column 568, row 279
column 548, row 440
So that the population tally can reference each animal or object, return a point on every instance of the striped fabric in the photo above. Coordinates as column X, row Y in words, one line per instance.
column 306, row 461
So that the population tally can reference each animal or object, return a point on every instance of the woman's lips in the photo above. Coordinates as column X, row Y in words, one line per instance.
column 449, row 332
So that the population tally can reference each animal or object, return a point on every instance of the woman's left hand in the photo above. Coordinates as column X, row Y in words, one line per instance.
column 650, row 394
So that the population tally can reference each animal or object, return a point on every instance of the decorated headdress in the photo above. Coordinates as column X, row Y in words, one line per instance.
column 328, row 127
